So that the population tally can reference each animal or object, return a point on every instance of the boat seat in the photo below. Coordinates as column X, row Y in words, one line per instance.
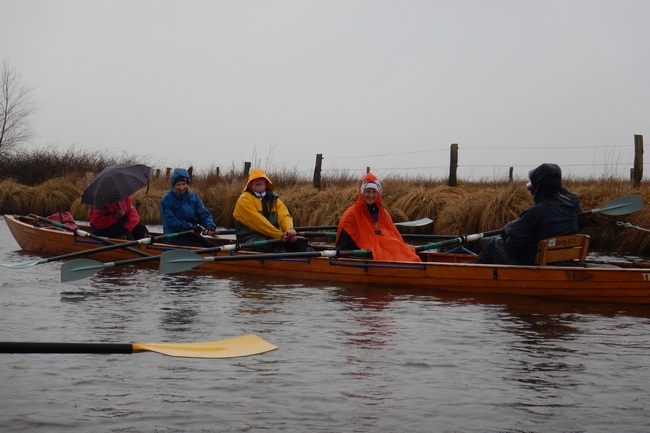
column 571, row 248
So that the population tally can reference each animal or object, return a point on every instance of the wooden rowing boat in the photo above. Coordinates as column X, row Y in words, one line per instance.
column 591, row 283
column 33, row 236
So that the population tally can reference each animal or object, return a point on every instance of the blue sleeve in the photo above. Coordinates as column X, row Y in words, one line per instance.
column 203, row 215
column 171, row 221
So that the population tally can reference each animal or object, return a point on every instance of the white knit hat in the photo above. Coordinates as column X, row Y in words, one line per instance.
column 374, row 185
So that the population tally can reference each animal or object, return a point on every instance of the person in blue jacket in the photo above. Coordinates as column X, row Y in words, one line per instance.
column 183, row 210
column 555, row 213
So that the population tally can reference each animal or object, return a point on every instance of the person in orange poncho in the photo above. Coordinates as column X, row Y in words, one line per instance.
column 368, row 225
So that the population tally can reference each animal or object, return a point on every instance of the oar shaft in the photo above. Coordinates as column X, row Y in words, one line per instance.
column 82, row 268
column 414, row 236
column 22, row 347
column 232, row 232
column 458, row 240
column 420, row 222
column 175, row 261
column 83, row 233
column 291, row 255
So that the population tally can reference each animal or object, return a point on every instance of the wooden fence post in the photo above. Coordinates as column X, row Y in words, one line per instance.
column 317, row 170
column 453, row 165
column 510, row 174
column 247, row 168
column 638, row 160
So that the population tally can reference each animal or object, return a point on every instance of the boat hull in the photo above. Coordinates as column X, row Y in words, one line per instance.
column 595, row 284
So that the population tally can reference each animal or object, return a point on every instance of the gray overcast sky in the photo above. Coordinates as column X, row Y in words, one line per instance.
column 385, row 84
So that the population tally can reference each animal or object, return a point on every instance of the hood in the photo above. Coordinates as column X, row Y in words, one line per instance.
column 180, row 173
column 545, row 180
column 257, row 173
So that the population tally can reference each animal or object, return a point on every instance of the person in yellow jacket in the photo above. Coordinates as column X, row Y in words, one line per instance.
column 260, row 215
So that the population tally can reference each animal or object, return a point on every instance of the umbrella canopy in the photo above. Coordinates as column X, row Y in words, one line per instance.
column 115, row 183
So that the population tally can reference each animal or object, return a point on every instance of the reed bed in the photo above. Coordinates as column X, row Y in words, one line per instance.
column 15, row 198
column 54, row 195
column 472, row 207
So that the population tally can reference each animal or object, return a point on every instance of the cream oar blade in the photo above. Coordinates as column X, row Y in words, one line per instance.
column 245, row 345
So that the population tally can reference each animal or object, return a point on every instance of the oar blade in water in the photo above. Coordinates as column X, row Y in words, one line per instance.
column 80, row 269
column 23, row 265
column 245, row 345
column 175, row 261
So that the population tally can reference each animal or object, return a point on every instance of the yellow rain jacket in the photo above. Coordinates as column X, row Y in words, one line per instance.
column 260, row 218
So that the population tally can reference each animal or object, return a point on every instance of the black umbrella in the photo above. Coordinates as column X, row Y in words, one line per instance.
column 115, row 183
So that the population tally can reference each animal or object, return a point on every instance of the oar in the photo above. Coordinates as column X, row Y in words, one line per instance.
column 83, row 233
column 245, row 345
column 458, row 240
column 416, row 223
column 404, row 235
column 83, row 268
column 619, row 206
column 143, row 241
column 624, row 205
column 175, row 261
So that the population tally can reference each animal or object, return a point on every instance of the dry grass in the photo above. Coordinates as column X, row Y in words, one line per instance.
column 54, row 195
column 148, row 206
column 15, row 198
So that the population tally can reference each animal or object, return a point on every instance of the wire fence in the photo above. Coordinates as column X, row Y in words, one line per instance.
column 474, row 163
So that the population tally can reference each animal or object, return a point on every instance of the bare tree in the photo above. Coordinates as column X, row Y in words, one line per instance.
column 16, row 107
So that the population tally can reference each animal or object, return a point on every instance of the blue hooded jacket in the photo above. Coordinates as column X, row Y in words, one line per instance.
column 181, row 212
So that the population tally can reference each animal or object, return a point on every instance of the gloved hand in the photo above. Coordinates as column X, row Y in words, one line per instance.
column 197, row 229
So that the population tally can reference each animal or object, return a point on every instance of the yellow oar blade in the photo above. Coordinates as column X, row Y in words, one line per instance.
column 245, row 345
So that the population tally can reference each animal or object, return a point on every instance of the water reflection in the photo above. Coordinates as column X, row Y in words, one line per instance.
column 372, row 326
column 180, row 301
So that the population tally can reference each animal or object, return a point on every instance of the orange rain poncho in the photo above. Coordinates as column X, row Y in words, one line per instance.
column 381, row 237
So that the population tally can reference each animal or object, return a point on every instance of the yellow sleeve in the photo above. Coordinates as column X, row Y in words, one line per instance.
column 285, row 221
column 248, row 211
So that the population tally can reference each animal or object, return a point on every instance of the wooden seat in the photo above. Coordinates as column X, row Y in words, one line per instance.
column 563, row 248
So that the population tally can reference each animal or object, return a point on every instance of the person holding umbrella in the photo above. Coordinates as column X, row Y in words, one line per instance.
column 183, row 210
column 108, row 194
column 117, row 220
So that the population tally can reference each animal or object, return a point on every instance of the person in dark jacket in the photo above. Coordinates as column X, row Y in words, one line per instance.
column 555, row 213
column 183, row 210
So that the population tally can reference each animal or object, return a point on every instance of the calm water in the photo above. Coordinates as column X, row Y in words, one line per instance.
column 350, row 359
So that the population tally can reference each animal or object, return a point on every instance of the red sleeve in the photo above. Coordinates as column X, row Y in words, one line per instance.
column 102, row 217
column 132, row 212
